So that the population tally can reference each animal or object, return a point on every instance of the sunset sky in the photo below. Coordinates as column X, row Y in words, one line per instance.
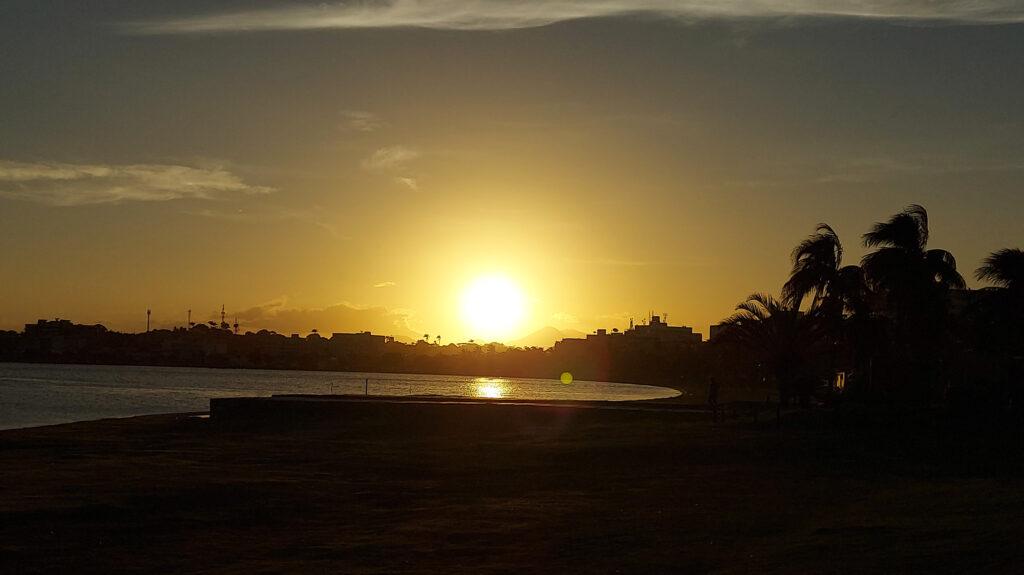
column 354, row 166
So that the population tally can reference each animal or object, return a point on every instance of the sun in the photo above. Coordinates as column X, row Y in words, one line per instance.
column 492, row 307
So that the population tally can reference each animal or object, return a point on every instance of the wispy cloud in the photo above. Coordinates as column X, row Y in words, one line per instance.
column 62, row 184
column 395, row 161
column 312, row 216
column 390, row 158
column 385, row 284
column 360, row 121
column 410, row 183
column 506, row 15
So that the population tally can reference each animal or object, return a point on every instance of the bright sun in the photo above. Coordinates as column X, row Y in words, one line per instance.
column 492, row 307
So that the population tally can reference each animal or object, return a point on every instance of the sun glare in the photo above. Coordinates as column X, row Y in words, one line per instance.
column 489, row 388
column 492, row 307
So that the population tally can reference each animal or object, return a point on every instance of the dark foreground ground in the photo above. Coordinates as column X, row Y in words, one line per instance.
column 584, row 492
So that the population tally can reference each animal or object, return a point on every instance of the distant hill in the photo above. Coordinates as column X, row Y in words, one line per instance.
column 545, row 337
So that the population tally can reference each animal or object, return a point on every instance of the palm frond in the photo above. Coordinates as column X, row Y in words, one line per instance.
column 1004, row 268
column 907, row 230
column 815, row 261
column 887, row 267
column 942, row 265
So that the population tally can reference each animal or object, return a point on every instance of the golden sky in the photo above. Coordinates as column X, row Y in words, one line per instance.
column 319, row 168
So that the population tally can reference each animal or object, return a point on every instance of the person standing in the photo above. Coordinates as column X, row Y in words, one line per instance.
column 713, row 397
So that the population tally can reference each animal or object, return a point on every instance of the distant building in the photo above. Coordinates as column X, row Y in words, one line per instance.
column 362, row 342
column 61, row 336
column 655, row 337
column 716, row 330
column 661, row 332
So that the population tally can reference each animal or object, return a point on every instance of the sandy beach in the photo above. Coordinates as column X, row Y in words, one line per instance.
column 579, row 493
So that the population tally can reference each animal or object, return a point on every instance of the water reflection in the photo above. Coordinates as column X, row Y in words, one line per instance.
column 40, row 394
column 491, row 388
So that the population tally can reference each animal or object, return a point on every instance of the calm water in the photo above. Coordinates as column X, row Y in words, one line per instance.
column 33, row 394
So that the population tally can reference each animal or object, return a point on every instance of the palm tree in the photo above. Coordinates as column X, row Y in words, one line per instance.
column 818, row 268
column 902, row 264
column 998, row 314
column 914, row 281
column 785, row 342
column 840, row 298
column 1004, row 268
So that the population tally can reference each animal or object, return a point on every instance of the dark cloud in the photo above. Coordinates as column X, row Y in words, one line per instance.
column 342, row 317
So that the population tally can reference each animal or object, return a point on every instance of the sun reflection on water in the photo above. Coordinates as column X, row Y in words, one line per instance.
column 489, row 388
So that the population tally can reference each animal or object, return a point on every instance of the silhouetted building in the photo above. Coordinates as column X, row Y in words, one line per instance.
column 362, row 342
column 661, row 332
column 656, row 337
column 60, row 336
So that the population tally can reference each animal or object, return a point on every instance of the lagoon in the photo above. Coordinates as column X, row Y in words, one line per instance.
column 46, row 394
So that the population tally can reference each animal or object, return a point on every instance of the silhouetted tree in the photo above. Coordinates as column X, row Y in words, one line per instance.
column 914, row 282
column 818, row 269
column 785, row 342
column 902, row 265
column 998, row 313
column 841, row 296
column 1004, row 268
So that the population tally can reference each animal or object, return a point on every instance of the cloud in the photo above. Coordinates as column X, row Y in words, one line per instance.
column 61, row 184
column 391, row 158
column 385, row 284
column 394, row 160
column 312, row 216
column 360, row 121
column 507, row 15
column 277, row 316
column 410, row 183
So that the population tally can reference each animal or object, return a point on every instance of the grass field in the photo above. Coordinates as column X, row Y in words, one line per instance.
column 583, row 493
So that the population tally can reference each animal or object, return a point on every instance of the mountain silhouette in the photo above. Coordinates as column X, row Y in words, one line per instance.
column 545, row 337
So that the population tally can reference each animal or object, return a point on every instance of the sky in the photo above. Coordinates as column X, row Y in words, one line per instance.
column 353, row 166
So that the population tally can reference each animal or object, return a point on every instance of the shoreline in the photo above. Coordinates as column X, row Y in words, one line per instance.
column 554, row 377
